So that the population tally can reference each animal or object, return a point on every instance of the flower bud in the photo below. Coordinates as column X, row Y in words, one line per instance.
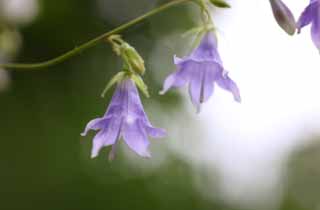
column 133, row 59
column 283, row 16
column 220, row 3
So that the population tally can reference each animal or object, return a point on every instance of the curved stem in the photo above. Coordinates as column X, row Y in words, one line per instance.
column 92, row 42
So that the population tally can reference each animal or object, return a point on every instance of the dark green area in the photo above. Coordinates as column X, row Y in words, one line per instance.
column 45, row 164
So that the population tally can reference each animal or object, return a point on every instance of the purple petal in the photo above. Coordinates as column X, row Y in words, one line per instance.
column 177, row 60
column 116, row 104
column 178, row 78
column 307, row 15
column 134, row 108
column 315, row 30
column 105, row 137
column 208, row 81
column 156, row 132
column 228, row 84
column 202, row 83
column 95, row 124
column 136, row 138
column 207, row 50
column 196, row 88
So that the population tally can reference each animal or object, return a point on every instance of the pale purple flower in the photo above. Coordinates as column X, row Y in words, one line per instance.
column 311, row 15
column 201, row 70
column 283, row 16
column 125, row 118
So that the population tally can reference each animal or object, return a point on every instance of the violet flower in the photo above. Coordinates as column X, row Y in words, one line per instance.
column 201, row 70
column 125, row 118
column 283, row 16
column 311, row 15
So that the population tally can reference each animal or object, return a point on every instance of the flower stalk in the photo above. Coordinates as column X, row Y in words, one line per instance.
column 93, row 42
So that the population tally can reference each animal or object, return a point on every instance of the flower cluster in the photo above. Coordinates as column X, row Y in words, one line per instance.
column 311, row 15
column 125, row 117
column 202, row 70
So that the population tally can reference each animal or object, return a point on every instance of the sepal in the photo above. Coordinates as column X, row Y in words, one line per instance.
column 115, row 79
column 140, row 84
column 220, row 3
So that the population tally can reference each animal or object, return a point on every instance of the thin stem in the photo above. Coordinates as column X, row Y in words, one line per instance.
column 92, row 42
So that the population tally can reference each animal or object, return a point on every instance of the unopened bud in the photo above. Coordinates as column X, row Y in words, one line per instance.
column 133, row 58
column 283, row 16
column 220, row 3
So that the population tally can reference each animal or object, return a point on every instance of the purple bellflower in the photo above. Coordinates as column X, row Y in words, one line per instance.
column 311, row 15
column 283, row 16
column 125, row 118
column 201, row 70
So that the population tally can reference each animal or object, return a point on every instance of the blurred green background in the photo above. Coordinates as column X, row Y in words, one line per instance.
column 46, row 165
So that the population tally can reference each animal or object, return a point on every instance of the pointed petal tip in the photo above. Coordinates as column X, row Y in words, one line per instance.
column 162, row 92
column 85, row 132
column 146, row 154
column 111, row 156
column 238, row 99
column 198, row 109
column 156, row 133
column 177, row 60
column 292, row 33
column 93, row 155
column 163, row 133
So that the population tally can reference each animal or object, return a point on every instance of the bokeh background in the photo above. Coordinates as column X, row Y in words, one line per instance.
column 261, row 154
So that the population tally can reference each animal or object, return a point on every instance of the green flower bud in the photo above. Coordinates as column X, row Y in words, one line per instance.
column 133, row 59
column 220, row 3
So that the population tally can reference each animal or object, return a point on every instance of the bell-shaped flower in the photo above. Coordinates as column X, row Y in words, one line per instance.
column 202, row 69
column 311, row 15
column 125, row 117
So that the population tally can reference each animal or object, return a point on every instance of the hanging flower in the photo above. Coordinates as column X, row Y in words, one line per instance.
column 125, row 118
column 201, row 70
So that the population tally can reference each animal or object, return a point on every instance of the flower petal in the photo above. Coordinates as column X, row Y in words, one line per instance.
column 228, row 84
column 156, row 132
column 116, row 104
column 95, row 124
column 177, row 60
column 211, row 71
column 105, row 137
column 207, row 50
column 202, row 83
column 136, row 138
column 315, row 30
column 307, row 15
column 178, row 78
column 195, row 88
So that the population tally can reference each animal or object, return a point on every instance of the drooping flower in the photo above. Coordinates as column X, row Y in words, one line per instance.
column 311, row 15
column 125, row 117
column 201, row 70
column 283, row 16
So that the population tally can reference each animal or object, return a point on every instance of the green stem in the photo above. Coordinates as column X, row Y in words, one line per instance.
column 92, row 42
